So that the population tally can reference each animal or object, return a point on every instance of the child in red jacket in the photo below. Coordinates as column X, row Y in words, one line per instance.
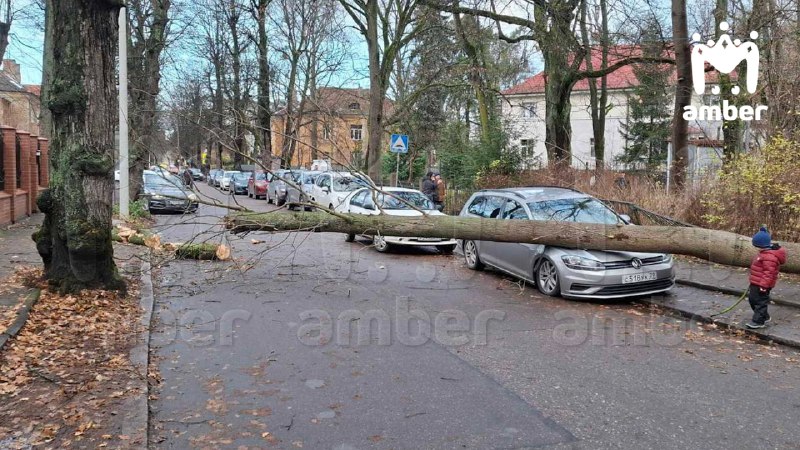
column 763, row 275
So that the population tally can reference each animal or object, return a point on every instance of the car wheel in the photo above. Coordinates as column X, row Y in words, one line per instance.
column 380, row 244
column 547, row 279
column 280, row 202
column 471, row 256
column 447, row 249
column 350, row 237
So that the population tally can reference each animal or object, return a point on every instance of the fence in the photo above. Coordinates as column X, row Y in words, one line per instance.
column 23, row 172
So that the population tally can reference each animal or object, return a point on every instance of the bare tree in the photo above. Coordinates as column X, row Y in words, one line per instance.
column 258, row 11
column 683, row 91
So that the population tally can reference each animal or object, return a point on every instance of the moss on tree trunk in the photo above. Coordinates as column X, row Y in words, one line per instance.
column 75, row 241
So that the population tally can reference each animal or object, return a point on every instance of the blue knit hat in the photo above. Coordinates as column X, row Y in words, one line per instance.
column 762, row 239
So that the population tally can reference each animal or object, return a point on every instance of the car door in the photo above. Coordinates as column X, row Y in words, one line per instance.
column 323, row 191
column 515, row 257
column 492, row 208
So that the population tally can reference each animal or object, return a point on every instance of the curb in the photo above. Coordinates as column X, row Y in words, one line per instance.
column 730, row 291
column 22, row 317
column 136, row 424
column 765, row 337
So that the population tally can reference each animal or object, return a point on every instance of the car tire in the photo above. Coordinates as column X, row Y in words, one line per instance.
column 548, row 279
column 472, row 257
column 380, row 244
column 350, row 237
column 447, row 249
column 280, row 202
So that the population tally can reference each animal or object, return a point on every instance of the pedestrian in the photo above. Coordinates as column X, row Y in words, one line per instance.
column 187, row 177
column 441, row 191
column 763, row 275
column 429, row 187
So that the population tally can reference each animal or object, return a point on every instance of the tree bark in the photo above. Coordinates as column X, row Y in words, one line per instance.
column 715, row 246
column 75, row 239
column 377, row 92
column 264, row 115
column 683, row 92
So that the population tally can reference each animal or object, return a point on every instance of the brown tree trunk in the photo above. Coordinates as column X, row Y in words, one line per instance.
column 715, row 246
column 264, row 115
column 75, row 239
column 683, row 92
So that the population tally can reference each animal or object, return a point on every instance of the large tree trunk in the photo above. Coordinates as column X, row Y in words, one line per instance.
column 75, row 239
column 264, row 115
column 377, row 92
column 149, row 24
column 683, row 92
column 715, row 246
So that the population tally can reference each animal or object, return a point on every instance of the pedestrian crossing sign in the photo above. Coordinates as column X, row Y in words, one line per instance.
column 399, row 143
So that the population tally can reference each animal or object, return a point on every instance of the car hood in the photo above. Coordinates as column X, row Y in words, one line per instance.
column 609, row 256
column 168, row 192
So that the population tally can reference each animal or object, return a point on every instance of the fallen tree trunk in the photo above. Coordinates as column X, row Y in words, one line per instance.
column 716, row 246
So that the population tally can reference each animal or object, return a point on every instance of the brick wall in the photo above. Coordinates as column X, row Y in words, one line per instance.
column 16, row 204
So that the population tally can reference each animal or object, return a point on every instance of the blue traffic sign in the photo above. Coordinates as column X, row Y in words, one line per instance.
column 399, row 143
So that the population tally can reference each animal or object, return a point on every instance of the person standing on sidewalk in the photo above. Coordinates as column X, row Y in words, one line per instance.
column 429, row 187
column 764, row 272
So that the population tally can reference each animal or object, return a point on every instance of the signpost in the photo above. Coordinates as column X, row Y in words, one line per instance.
column 398, row 144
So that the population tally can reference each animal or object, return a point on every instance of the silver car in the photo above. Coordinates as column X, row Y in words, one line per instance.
column 305, row 180
column 276, row 189
column 562, row 271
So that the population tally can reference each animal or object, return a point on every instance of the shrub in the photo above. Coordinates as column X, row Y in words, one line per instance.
column 758, row 188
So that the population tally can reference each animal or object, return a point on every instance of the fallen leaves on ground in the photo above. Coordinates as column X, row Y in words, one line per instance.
column 66, row 375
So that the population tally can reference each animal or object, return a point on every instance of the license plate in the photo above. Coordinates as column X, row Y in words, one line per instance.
column 176, row 202
column 638, row 277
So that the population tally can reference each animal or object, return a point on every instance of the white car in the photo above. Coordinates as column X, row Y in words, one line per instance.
column 364, row 200
column 331, row 188
column 227, row 179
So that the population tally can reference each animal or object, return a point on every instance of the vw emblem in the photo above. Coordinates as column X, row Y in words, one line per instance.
column 636, row 263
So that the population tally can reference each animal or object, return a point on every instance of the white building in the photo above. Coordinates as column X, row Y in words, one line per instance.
column 523, row 112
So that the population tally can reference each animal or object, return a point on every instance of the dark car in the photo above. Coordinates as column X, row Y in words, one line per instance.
column 197, row 174
column 257, row 184
column 165, row 192
column 239, row 183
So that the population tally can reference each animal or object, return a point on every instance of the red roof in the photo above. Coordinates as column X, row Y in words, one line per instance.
column 621, row 78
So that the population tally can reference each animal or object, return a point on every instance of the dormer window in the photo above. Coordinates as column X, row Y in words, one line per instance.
column 355, row 106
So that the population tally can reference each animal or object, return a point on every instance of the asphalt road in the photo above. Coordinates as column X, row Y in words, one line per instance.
column 306, row 341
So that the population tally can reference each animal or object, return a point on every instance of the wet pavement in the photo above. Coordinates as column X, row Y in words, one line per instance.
column 306, row 341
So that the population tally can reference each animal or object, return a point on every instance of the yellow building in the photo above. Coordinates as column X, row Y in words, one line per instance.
column 336, row 121
column 19, row 104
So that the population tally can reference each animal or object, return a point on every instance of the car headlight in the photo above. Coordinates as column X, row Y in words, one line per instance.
column 581, row 263
column 192, row 196
column 158, row 197
column 666, row 258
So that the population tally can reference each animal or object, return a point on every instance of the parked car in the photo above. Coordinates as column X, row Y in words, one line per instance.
column 257, row 184
column 226, row 178
column 212, row 177
column 304, row 179
column 197, row 174
column 331, row 188
column 239, row 183
column 395, row 202
column 276, row 190
column 166, row 192
column 562, row 271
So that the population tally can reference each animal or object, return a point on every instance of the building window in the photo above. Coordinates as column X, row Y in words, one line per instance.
column 591, row 148
column 710, row 99
column 355, row 132
column 326, row 132
column 355, row 106
column 526, row 148
column 528, row 110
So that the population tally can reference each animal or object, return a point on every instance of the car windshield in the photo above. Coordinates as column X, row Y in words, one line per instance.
column 348, row 184
column 583, row 210
column 261, row 176
column 393, row 201
column 241, row 176
column 229, row 174
column 152, row 179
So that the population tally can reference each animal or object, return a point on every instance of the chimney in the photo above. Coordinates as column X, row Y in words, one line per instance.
column 12, row 69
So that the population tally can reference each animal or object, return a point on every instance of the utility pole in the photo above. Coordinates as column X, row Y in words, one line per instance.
column 124, row 182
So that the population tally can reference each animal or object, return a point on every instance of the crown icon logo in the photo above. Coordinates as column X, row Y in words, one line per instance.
column 724, row 55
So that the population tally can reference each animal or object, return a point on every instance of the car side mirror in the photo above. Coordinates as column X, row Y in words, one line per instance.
column 626, row 218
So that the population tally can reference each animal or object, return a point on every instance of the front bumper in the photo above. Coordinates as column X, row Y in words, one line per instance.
column 240, row 189
column 609, row 283
column 169, row 205
column 419, row 242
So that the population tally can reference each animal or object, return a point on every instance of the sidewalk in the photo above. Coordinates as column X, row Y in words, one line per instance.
column 730, row 283
column 17, row 250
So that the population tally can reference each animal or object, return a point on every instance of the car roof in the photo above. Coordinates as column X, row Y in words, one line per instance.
column 538, row 193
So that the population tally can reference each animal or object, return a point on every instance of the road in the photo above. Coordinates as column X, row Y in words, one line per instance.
column 306, row 341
